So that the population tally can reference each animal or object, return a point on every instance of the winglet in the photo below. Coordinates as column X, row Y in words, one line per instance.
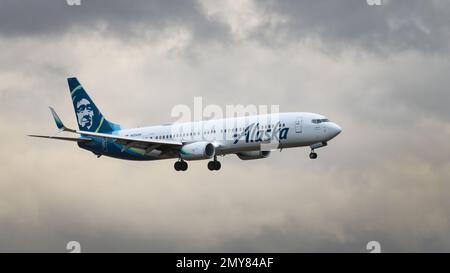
column 58, row 121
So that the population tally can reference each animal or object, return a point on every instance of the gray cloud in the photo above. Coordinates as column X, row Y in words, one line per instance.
column 396, row 26
column 49, row 17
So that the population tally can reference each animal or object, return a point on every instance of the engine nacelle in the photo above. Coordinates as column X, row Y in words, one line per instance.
column 253, row 155
column 198, row 150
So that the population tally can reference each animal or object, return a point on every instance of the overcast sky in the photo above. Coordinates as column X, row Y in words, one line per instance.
column 381, row 72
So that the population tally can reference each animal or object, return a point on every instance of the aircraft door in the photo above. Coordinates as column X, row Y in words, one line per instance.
column 298, row 125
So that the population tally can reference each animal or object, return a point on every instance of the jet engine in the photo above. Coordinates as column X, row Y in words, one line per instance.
column 198, row 150
column 253, row 155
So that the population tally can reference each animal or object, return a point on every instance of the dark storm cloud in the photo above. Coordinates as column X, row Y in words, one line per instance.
column 396, row 25
column 29, row 18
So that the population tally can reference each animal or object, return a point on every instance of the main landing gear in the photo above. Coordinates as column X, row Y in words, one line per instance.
column 180, row 165
column 214, row 165
column 313, row 155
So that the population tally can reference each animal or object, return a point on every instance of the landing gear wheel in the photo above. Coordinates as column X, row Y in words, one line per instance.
column 217, row 165
column 211, row 166
column 313, row 155
column 214, row 165
column 183, row 166
column 180, row 166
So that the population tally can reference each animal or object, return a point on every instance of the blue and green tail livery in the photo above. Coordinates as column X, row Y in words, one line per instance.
column 58, row 121
column 89, row 117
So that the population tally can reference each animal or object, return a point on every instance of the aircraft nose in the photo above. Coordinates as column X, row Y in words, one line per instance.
column 334, row 130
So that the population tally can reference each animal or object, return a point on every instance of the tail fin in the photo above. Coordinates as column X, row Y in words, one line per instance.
column 89, row 117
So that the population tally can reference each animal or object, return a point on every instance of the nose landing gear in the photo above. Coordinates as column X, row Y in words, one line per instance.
column 313, row 155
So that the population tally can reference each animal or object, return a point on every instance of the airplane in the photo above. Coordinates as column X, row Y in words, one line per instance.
column 249, row 137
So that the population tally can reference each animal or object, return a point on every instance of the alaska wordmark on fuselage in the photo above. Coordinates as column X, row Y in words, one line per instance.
column 249, row 137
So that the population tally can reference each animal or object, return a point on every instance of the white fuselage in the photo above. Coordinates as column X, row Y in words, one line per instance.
column 249, row 133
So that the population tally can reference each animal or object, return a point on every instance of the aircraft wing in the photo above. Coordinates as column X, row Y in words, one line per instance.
column 64, row 138
column 128, row 142
column 132, row 142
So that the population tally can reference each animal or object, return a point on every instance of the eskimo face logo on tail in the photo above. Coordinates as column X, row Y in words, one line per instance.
column 85, row 113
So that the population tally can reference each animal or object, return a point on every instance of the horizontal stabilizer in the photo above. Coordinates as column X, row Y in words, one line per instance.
column 64, row 138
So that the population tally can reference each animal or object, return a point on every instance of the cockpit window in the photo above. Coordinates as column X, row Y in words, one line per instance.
column 317, row 121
